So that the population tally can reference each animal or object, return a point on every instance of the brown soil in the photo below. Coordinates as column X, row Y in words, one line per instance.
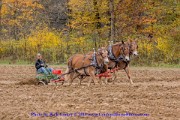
column 156, row 91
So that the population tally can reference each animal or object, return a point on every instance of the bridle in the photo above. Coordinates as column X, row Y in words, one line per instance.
column 130, row 48
column 122, row 56
column 95, row 63
column 123, row 50
column 101, row 53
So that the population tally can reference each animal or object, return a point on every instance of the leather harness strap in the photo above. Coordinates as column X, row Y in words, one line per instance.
column 85, row 68
column 114, row 59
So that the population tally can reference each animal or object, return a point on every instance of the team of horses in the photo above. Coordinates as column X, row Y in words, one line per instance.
column 115, row 56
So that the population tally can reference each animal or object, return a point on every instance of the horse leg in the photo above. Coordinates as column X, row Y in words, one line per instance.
column 67, row 76
column 70, row 78
column 105, row 81
column 128, row 74
column 90, row 81
column 80, row 80
column 93, row 77
column 100, row 81
column 115, row 76
column 74, row 76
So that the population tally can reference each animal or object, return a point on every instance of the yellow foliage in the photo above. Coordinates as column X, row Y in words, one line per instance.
column 44, row 39
column 19, row 9
column 84, row 12
column 163, row 45
column 145, row 47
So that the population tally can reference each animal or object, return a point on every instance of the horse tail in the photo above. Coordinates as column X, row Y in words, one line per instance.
column 67, row 75
column 69, row 68
column 70, row 63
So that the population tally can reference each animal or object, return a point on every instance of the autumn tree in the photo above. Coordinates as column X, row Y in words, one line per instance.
column 56, row 13
column 77, row 26
column 0, row 17
column 18, row 16
column 89, row 20
column 112, row 18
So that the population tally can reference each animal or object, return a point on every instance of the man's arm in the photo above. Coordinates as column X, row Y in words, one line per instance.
column 38, row 65
column 45, row 65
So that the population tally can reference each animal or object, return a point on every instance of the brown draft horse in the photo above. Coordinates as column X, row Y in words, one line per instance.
column 133, row 46
column 81, row 65
column 121, row 52
column 116, row 53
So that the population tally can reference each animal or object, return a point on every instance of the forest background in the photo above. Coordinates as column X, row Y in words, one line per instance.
column 60, row 28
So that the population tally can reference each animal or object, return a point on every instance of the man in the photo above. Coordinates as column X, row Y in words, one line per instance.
column 41, row 66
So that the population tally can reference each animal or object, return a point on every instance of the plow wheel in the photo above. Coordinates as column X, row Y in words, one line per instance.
column 42, row 82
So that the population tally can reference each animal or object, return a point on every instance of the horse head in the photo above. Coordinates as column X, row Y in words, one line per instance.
column 125, row 51
column 133, row 47
column 104, row 53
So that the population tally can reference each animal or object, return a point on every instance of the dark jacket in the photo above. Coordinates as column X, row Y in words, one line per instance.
column 38, row 64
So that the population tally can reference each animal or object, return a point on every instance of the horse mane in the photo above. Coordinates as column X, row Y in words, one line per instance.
column 118, row 43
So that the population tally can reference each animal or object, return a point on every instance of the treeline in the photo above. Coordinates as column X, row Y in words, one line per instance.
column 60, row 28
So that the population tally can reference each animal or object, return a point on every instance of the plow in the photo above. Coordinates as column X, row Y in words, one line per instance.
column 107, row 74
column 57, row 76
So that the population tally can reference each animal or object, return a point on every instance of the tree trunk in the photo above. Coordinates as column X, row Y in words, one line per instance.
column 15, row 34
column 0, row 18
column 97, row 24
column 112, row 31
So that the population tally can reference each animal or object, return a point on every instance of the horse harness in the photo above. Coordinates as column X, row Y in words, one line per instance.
column 95, row 64
column 114, row 59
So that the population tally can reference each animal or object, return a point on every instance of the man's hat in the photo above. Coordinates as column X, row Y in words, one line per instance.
column 39, row 54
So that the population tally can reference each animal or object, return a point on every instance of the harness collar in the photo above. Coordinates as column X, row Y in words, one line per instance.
column 112, row 56
column 95, row 64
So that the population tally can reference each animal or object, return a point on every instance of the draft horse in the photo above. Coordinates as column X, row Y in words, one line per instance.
column 124, row 64
column 81, row 66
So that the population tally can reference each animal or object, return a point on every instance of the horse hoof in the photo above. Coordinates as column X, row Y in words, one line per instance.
column 62, row 83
